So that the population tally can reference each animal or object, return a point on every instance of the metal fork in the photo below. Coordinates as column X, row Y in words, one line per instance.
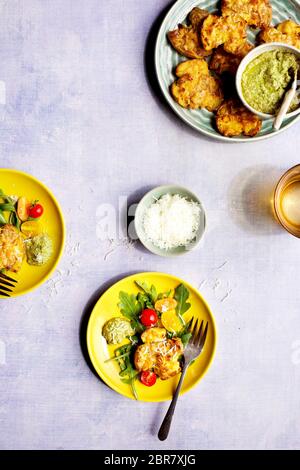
column 192, row 351
column 5, row 283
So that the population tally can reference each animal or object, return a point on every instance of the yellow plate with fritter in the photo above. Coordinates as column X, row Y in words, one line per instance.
column 99, row 351
column 17, row 183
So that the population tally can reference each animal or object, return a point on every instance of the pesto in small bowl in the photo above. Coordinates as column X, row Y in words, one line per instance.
column 267, row 78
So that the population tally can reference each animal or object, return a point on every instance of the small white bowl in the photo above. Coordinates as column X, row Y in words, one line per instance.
column 257, row 51
column 148, row 200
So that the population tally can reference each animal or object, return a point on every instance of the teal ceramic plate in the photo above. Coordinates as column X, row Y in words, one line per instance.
column 166, row 59
column 146, row 202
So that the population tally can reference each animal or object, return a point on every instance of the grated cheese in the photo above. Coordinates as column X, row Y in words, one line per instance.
column 172, row 221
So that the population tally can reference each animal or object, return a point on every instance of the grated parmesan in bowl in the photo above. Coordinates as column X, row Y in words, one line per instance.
column 169, row 222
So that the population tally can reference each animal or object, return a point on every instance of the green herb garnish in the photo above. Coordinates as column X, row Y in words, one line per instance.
column 149, row 291
column 181, row 295
column 128, row 374
column 131, row 309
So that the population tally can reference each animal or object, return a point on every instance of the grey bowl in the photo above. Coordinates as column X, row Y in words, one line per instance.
column 146, row 202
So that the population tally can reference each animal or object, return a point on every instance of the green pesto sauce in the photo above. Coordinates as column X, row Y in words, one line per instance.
column 39, row 249
column 267, row 78
column 116, row 330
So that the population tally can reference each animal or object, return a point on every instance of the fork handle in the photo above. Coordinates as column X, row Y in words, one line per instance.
column 166, row 424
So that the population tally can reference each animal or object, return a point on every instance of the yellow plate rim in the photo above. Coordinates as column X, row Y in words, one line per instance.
column 106, row 378
column 57, row 205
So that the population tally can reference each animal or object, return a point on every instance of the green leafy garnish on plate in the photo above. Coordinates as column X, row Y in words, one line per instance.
column 150, row 291
column 128, row 374
column 185, row 334
column 131, row 309
column 181, row 295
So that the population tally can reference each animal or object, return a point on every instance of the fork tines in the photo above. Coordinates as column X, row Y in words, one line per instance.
column 5, row 283
column 198, row 337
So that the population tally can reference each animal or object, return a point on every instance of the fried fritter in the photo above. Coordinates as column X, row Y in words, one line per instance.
column 239, row 50
column 12, row 248
column 287, row 32
column 196, row 87
column 224, row 62
column 234, row 119
column 256, row 13
column 231, row 31
column 185, row 39
column 196, row 16
column 159, row 355
column 152, row 335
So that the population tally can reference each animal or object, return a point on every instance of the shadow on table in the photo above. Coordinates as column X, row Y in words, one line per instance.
column 250, row 199
column 150, row 72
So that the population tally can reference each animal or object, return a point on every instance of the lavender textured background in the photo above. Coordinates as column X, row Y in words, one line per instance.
column 82, row 117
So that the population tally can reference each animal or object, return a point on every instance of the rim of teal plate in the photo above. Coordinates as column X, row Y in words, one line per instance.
column 178, row 110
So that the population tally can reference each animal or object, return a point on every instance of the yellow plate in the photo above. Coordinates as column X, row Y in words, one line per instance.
column 14, row 182
column 99, row 351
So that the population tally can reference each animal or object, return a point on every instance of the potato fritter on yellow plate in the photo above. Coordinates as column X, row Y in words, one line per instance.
column 287, row 32
column 234, row 119
column 256, row 13
column 196, row 87
column 12, row 248
column 196, row 16
column 158, row 353
column 231, row 31
column 224, row 62
column 185, row 39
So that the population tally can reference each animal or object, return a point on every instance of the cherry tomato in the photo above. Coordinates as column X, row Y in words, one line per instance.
column 149, row 317
column 148, row 378
column 36, row 211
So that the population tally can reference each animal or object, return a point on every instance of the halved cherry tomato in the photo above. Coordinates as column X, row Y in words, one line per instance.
column 148, row 378
column 36, row 211
column 149, row 317
column 23, row 208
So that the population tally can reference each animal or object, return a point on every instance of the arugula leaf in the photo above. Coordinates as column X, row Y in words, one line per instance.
column 14, row 220
column 131, row 309
column 181, row 295
column 7, row 207
column 185, row 339
column 185, row 334
column 128, row 374
column 150, row 291
column 2, row 219
column 144, row 301
column 128, row 305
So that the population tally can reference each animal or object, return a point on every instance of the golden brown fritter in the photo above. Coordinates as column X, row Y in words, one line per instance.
column 224, row 62
column 157, row 354
column 185, row 39
column 234, row 119
column 256, row 13
column 152, row 335
column 12, row 248
column 287, row 32
column 231, row 31
column 239, row 50
column 196, row 87
column 196, row 16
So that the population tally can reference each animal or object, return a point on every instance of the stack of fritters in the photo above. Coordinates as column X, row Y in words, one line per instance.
column 216, row 44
